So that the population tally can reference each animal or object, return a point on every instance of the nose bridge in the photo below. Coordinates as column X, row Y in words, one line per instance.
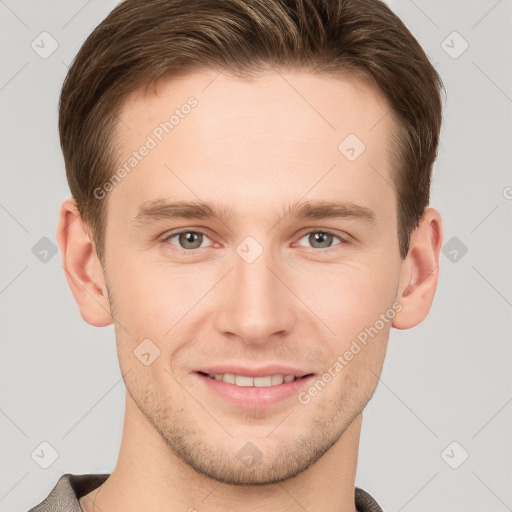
column 256, row 303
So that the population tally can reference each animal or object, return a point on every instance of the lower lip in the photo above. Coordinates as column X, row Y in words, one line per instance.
column 255, row 397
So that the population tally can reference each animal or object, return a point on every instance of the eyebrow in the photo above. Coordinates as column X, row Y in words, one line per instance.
column 162, row 209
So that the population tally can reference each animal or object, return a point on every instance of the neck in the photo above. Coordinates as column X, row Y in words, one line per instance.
column 148, row 476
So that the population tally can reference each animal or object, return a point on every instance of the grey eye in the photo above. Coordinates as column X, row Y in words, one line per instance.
column 320, row 239
column 190, row 239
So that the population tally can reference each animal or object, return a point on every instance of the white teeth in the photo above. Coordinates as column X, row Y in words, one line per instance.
column 261, row 382
column 241, row 380
column 277, row 379
column 229, row 378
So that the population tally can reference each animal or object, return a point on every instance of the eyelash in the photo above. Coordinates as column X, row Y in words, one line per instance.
column 188, row 252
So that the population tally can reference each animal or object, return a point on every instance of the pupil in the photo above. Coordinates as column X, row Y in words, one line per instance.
column 188, row 238
column 321, row 237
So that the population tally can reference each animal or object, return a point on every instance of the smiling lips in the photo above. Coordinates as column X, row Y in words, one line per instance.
column 260, row 382
column 270, row 375
column 254, row 387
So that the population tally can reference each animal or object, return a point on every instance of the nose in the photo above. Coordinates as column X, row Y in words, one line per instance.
column 257, row 303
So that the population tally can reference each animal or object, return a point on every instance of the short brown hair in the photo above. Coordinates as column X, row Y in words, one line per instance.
column 141, row 41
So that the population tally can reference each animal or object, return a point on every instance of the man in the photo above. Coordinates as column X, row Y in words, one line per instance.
column 250, row 183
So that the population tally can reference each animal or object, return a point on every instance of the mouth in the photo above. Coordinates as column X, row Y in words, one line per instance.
column 253, row 392
column 253, row 381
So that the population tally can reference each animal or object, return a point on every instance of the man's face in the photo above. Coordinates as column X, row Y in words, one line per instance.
column 262, row 286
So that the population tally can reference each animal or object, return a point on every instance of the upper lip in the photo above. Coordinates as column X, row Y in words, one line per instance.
column 273, row 369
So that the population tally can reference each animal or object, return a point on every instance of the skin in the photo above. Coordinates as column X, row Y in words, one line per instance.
column 255, row 146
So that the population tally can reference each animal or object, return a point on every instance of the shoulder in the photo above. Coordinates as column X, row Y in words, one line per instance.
column 64, row 496
column 365, row 502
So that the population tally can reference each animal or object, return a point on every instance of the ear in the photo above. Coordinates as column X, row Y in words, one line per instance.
column 83, row 269
column 420, row 271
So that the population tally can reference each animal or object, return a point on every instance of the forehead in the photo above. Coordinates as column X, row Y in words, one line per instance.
column 282, row 135
column 325, row 105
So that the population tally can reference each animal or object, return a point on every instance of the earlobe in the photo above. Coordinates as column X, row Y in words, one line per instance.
column 82, row 267
column 420, row 271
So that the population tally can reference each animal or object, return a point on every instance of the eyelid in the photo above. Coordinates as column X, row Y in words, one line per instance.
column 341, row 235
column 171, row 234
column 344, row 238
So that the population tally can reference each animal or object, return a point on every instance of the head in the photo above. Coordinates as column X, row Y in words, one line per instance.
column 307, row 130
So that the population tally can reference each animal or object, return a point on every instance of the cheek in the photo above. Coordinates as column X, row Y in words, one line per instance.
column 151, row 297
column 351, row 297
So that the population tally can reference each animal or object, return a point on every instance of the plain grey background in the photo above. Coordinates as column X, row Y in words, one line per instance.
column 437, row 433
